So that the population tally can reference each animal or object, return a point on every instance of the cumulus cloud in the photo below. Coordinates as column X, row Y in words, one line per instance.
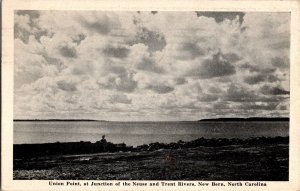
column 68, row 51
column 117, row 52
column 254, row 68
column 153, row 39
column 221, row 16
column 237, row 93
column 99, row 23
column 66, row 86
column 150, row 65
column 26, row 25
column 259, row 106
column 180, row 81
column 161, row 89
column 78, row 38
column 122, row 82
column 120, row 98
column 221, row 106
column 260, row 78
column 280, row 62
column 269, row 90
column 191, row 50
column 216, row 66
column 29, row 64
column 208, row 97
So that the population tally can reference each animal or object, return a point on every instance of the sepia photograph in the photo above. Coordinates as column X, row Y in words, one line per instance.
column 151, row 95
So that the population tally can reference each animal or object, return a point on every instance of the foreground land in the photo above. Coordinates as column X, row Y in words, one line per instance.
column 201, row 159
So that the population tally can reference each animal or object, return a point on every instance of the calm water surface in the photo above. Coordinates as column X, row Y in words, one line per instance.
column 137, row 133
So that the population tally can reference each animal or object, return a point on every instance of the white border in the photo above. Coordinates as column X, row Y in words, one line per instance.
column 145, row 5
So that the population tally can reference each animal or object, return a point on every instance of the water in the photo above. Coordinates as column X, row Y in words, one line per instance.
column 138, row 133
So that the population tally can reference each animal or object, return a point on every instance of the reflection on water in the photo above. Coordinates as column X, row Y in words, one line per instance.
column 137, row 133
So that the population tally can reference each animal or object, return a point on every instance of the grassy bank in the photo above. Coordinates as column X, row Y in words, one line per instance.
column 252, row 159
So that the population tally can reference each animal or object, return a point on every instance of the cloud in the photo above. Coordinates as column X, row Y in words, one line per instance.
column 164, row 65
column 221, row 106
column 257, row 69
column 112, row 67
column 78, row 38
column 259, row 106
column 68, row 51
column 217, row 66
column 154, row 40
column 191, row 50
column 237, row 93
column 32, row 13
column 117, row 52
column 122, row 82
column 215, row 90
column 26, row 23
column 284, row 43
column 148, row 64
column 255, row 79
column 82, row 69
column 249, row 67
column 180, row 81
column 221, row 16
column 99, row 23
column 280, row 62
column 232, row 57
column 161, row 89
column 120, row 98
column 66, row 86
column 54, row 61
column 207, row 97
column 29, row 64
column 269, row 90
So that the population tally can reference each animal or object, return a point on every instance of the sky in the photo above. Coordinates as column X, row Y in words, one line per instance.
column 150, row 66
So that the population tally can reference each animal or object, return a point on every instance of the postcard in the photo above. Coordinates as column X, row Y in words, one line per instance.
column 148, row 95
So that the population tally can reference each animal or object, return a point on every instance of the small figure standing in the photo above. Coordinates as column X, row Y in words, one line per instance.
column 103, row 140
column 104, row 143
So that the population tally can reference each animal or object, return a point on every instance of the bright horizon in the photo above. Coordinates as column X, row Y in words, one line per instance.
column 102, row 120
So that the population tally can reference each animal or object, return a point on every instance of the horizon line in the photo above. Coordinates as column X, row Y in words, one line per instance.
column 197, row 120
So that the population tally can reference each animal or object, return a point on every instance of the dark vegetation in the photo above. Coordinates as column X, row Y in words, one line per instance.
column 46, row 149
column 262, row 158
column 255, row 119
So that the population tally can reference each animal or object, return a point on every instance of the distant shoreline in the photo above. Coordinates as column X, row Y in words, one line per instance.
column 201, row 120
column 32, row 120
column 248, row 119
